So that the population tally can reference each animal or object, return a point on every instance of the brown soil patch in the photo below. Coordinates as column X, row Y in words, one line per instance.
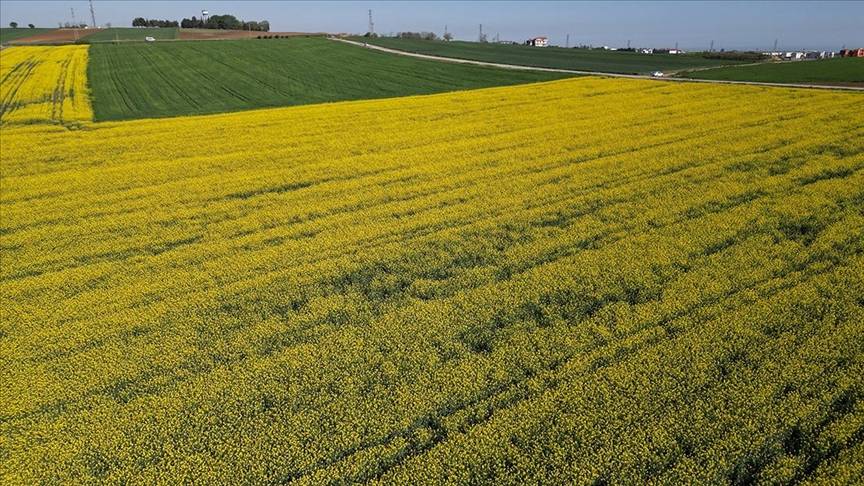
column 851, row 84
column 58, row 36
column 216, row 34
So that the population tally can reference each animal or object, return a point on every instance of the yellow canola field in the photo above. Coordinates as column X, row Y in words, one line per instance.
column 44, row 85
column 578, row 282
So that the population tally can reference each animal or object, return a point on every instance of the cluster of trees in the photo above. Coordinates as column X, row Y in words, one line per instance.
column 142, row 22
column 225, row 22
column 417, row 35
column 431, row 36
column 14, row 25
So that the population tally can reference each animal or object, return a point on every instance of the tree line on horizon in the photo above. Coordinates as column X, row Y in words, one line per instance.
column 142, row 22
column 224, row 22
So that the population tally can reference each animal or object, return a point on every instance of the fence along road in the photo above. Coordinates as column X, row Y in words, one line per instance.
column 591, row 73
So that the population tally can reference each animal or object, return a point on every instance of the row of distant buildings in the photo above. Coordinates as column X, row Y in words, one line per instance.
column 799, row 55
column 781, row 55
column 651, row 50
column 544, row 42
column 804, row 55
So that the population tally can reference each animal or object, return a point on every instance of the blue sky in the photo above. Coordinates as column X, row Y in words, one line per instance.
column 753, row 25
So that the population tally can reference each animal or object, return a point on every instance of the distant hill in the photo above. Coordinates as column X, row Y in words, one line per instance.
column 8, row 34
column 133, row 33
column 849, row 71
column 138, row 80
column 552, row 57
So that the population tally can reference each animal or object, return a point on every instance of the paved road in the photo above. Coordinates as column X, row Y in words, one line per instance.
column 591, row 73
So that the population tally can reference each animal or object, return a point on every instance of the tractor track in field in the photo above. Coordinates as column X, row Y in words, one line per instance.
column 17, row 79
column 591, row 73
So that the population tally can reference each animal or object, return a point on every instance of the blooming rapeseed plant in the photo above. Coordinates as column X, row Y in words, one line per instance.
column 44, row 84
column 574, row 282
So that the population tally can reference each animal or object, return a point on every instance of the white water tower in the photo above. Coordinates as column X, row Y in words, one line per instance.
column 204, row 15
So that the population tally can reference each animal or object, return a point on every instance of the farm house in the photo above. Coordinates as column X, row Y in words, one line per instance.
column 538, row 42
column 852, row 52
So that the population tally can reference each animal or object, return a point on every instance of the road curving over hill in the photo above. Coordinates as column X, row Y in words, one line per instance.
column 592, row 73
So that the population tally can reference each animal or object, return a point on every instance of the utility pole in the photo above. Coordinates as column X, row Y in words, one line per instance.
column 711, row 49
column 74, row 24
column 775, row 45
column 496, row 37
column 92, row 15
column 628, row 44
column 371, row 24
column 480, row 37
column 676, row 45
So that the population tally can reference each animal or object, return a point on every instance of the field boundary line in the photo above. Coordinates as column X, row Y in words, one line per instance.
column 590, row 73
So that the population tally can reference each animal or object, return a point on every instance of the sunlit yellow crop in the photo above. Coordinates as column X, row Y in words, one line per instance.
column 589, row 281
column 44, row 85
